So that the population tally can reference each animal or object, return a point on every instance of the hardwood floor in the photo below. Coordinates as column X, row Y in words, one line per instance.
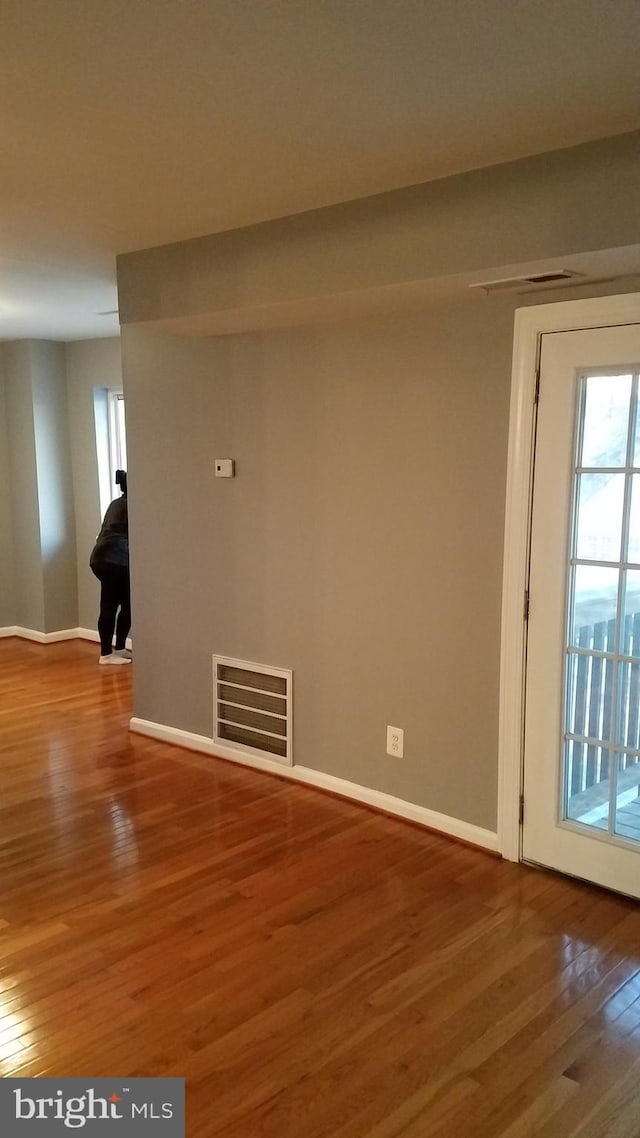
column 313, row 970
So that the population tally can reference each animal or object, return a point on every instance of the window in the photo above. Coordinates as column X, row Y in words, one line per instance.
column 117, row 435
column 111, row 441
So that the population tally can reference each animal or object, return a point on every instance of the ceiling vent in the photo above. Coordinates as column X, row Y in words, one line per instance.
column 517, row 284
column 253, row 709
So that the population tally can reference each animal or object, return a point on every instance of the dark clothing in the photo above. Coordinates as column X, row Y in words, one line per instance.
column 112, row 543
column 110, row 562
column 114, row 595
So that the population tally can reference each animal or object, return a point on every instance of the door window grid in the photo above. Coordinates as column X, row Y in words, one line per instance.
column 602, row 689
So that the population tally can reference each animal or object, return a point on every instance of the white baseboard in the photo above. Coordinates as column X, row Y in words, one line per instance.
column 53, row 637
column 431, row 819
column 41, row 637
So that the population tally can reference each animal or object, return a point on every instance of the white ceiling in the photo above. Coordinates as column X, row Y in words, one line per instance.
column 130, row 123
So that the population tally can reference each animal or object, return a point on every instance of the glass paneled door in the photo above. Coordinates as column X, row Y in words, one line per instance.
column 582, row 724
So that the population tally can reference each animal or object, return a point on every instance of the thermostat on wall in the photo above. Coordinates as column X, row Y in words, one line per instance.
column 225, row 468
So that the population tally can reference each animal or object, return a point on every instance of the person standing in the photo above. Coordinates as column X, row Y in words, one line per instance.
column 109, row 562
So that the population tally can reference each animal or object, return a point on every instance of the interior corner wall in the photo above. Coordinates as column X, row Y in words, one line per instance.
column 55, row 486
column 90, row 364
column 7, row 598
column 29, row 608
column 360, row 543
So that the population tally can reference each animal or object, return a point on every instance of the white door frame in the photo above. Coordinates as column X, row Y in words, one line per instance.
column 530, row 324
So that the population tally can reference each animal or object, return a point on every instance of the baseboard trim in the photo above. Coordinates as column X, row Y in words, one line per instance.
column 53, row 637
column 43, row 637
column 387, row 803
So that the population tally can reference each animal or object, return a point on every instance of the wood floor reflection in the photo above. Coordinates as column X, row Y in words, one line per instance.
column 313, row 970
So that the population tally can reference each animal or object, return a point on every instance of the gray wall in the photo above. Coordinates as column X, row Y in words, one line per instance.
column 90, row 364
column 565, row 202
column 55, row 487
column 7, row 601
column 360, row 543
column 50, row 508
column 29, row 610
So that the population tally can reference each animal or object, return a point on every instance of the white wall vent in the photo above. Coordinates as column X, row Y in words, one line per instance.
column 517, row 284
column 253, row 708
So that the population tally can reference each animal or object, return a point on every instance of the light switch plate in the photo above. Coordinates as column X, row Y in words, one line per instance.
column 225, row 468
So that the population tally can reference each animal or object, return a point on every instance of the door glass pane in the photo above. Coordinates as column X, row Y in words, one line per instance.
column 594, row 609
column 627, row 718
column 587, row 790
column 606, row 417
column 590, row 696
column 602, row 703
column 636, row 449
column 627, row 816
column 599, row 529
column 631, row 614
column 633, row 553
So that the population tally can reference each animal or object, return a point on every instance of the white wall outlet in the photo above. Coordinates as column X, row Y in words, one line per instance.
column 225, row 468
column 395, row 742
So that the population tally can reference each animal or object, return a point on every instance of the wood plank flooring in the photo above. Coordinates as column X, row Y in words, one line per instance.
column 313, row 970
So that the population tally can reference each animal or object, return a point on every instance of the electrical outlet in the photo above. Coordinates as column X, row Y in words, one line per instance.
column 395, row 742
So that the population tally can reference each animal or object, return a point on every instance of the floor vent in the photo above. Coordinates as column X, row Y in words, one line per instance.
column 253, row 709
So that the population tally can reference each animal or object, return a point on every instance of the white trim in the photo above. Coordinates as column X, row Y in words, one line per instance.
column 452, row 827
column 45, row 637
column 53, row 637
column 530, row 324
